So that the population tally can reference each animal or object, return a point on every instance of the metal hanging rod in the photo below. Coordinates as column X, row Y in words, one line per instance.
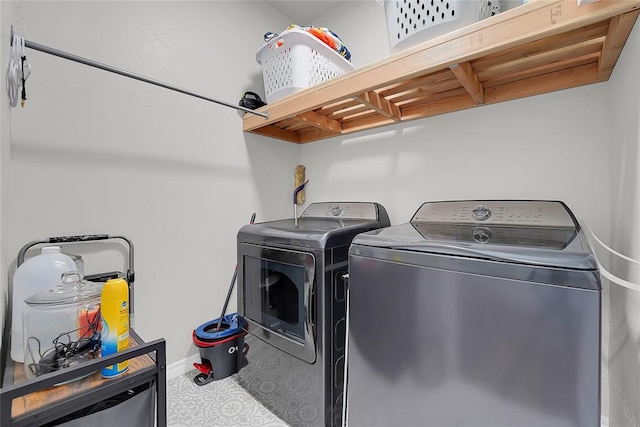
column 81, row 60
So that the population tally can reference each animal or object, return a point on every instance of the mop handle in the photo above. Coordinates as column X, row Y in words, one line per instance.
column 298, row 189
column 233, row 281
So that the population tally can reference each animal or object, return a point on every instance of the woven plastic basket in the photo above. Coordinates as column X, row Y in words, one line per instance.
column 410, row 22
column 296, row 60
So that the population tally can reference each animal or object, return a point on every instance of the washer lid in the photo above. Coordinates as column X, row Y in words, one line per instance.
column 523, row 232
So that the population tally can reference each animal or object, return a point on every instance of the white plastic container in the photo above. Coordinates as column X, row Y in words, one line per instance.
column 411, row 22
column 62, row 325
column 35, row 275
column 296, row 60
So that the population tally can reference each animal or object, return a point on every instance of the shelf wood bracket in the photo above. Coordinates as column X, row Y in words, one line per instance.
column 276, row 132
column 373, row 99
column 320, row 121
column 469, row 80
column 619, row 28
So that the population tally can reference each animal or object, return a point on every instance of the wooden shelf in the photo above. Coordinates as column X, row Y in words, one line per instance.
column 536, row 48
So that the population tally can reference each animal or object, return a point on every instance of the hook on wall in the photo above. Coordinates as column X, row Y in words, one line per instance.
column 18, row 71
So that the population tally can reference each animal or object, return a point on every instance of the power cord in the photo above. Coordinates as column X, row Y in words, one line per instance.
column 65, row 351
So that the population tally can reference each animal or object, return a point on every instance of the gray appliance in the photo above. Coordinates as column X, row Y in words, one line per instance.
column 292, row 292
column 476, row 313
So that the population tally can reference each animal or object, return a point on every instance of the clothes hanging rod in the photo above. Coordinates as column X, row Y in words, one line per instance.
column 85, row 61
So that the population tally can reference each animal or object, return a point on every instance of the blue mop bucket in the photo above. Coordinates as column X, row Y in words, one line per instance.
column 222, row 351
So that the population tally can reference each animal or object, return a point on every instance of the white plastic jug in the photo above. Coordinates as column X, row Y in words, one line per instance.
column 37, row 274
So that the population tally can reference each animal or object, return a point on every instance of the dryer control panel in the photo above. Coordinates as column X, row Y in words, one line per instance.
column 342, row 210
column 547, row 214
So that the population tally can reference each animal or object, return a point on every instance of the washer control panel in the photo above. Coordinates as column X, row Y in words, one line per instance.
column 342, row 210
column 497, row 212
column 481, row 213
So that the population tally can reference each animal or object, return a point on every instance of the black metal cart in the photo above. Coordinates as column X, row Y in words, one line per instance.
column 128, row 400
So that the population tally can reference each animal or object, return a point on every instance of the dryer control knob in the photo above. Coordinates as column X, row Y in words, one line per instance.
column 481, row 235
column 481, row 213
column 336, row 211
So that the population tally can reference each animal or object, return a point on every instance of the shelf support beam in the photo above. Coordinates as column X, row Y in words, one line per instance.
column 276, row 132
column 469, row 80
column 619, row 28
column 373, row 99
column 320, row 121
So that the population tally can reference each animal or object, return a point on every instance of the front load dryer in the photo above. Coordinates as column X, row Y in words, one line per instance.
column 475, row 313
column 292, row 293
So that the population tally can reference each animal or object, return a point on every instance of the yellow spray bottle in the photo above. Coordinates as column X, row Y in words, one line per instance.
column 115, row 323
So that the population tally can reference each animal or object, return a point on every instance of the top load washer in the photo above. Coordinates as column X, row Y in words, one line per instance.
column 475, row 313
column 292, row 292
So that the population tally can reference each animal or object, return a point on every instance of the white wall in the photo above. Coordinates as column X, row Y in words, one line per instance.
column 7, row 18
column 553, row 146
column 94, row 152
column 546, row 147
column 361, row 25
column 624, row 359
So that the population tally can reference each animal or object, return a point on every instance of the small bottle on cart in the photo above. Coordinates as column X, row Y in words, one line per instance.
column 115, row 324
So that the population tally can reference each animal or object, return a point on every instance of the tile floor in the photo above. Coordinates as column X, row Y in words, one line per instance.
column 219, row 403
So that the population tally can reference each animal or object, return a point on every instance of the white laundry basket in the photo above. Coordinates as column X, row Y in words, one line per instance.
column 410, row 22
column 296, row 60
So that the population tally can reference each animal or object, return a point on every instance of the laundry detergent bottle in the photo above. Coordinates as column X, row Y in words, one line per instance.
column 114, row 303
column 38, row 274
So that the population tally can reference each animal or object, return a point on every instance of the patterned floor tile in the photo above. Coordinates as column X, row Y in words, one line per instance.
column 219, row 403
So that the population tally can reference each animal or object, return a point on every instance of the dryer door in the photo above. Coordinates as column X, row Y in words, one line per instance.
column 275, row 297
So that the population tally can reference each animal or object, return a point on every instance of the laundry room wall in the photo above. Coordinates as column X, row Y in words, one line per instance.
column 94, row 152
column 7, row 17
column 547, row 147
column 554, row 146
column 624, row 351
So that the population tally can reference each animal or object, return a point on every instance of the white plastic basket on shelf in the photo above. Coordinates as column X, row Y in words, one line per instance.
column 410, row 22
column 296, row 60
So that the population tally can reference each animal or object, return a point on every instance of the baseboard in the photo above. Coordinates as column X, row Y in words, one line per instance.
column 182, row 366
